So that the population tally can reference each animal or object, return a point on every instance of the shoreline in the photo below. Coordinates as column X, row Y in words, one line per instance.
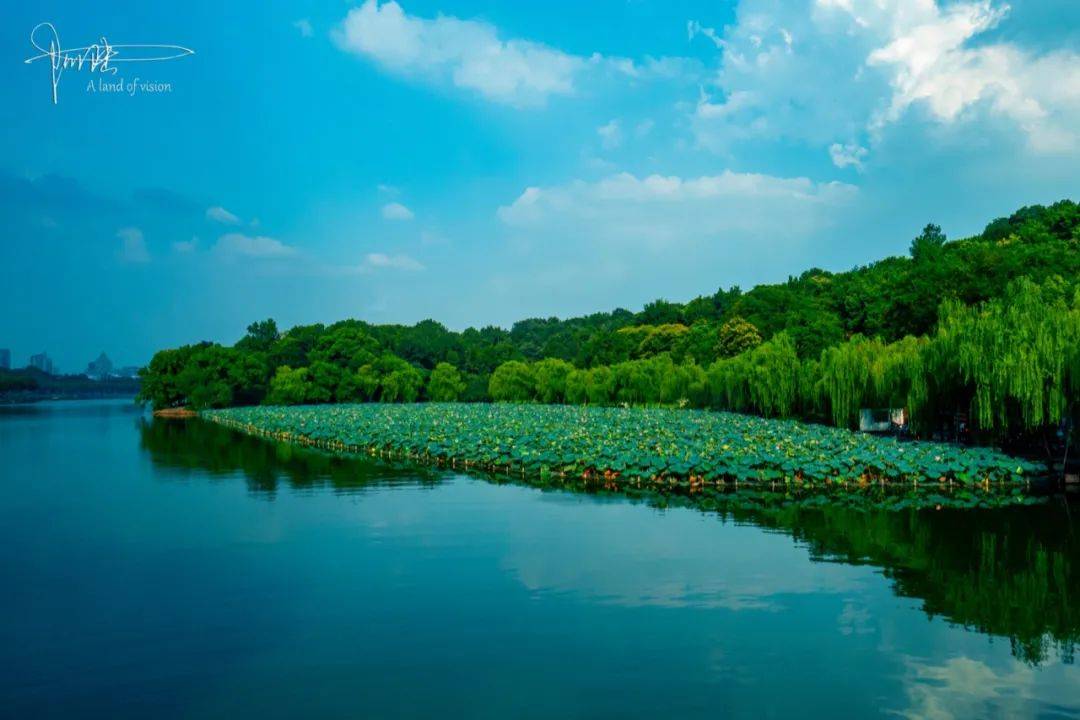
column 780, row 482
column 28, row 398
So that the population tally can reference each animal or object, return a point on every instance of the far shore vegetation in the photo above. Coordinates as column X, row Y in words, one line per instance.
column 31, row 384
column 978, row 336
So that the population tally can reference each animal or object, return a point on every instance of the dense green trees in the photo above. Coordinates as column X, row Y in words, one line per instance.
column 1013, row 361
column 1017, row 356
column 445, row 383
column 821, row 345
column 551, row 377
column 291, row 387
column 204, row 375
column 513, row 381
column 16, row 381
column 928, row 245
column 764, row 380
column 737, row 336
column 402, row 384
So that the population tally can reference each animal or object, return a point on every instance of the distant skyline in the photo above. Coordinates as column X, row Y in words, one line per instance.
column 16, row 362
column 481, row 162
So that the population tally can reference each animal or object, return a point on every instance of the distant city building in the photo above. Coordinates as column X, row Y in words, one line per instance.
column 101, row 368
column 128, row 371
column 42, row 362
column 5, row 359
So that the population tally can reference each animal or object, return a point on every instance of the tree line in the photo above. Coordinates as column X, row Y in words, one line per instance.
column 1012, row 362
column 984, row 325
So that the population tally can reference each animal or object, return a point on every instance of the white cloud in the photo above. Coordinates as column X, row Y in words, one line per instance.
column 304, row 26
column 932, row 64
column 132, row 245
column 694, row 28
column 781, row 76
column 849, row 155
column 469, row 53
column 664, row 211
column 825, row 70
column 396, row 211
column 964, row 687
column 375, row 261
column 221, row 215
column 258, row 246
column 610, row 135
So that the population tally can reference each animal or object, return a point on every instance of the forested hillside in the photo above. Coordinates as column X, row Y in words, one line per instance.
column 988, row 325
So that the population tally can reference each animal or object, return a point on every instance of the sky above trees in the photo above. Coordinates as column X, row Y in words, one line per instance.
column 482, row 162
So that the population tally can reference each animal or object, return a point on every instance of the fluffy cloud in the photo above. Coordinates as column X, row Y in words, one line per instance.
column 850, row 155
column 843, row 71
column 664, row 211
column 132, row 245
column 468, row 52
column 396, row 211
column 780, row 77
column 221, row 215
column 259, row 246
column 932, row 64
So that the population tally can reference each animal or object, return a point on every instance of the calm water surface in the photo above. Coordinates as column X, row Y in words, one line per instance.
column 175, row 569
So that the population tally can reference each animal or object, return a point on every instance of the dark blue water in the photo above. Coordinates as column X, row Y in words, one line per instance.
column 174, row 569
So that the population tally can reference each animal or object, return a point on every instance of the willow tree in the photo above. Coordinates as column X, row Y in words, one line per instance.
column 513, row 381
column 1020, row 354
column 594, row 386
column 765, row 380
column 729, row 383
column 809, row 392
column 577, row 387
column 600, row 385
column 866, row 372
column 445, row 383
column 685, row 383
column 899, row 375
column 551, row 375
column 847, row 378
column 638, row 382
column 775, row 381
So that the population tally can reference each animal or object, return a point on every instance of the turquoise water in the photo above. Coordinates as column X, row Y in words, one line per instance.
column 175, row 569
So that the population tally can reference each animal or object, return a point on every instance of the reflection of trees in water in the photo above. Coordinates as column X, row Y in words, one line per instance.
column 1009, row 572
column 210, row 448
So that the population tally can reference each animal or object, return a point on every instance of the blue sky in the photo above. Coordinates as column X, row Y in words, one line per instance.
column 481, row 162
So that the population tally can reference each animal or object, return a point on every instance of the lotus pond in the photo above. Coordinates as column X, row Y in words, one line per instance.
column 660, row 453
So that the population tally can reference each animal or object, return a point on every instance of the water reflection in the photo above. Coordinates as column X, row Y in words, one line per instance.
column 964, row 687
column 185, row 445
column 1010, row 572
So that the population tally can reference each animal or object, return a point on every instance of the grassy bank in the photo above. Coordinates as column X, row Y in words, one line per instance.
column 685, row 450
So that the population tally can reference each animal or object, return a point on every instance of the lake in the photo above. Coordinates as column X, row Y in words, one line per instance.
column 169, row 568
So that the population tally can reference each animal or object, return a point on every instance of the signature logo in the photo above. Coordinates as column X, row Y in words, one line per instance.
column 100, row 57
